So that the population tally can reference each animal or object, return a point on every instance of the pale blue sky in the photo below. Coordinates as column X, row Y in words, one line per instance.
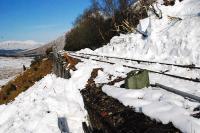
column 38, row 20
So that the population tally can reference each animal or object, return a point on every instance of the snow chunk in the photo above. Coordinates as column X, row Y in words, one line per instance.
column 158, row 104
column 47, row 105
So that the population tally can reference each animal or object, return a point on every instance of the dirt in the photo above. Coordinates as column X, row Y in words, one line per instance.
column 196, row 115
column 108, row 115
column 118, row 79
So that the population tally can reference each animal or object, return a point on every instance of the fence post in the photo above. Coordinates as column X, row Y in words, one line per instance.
column 59, row 65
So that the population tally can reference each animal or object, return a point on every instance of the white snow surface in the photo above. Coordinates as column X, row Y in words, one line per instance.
column 14, row 62
column 160, row 105
column 23, row 45
column 169, row 40
column 11, row 66
column 42, row 106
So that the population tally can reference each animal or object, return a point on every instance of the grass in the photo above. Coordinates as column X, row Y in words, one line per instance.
column 37, row 70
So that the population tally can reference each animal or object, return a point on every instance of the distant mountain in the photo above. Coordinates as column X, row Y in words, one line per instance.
column 10, row 48
column 23, row 45
column 57, row 43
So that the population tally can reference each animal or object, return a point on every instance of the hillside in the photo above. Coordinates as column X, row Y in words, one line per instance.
column 29, row 48
column 8, row 48
column 58, row 43
column 169, row 39
column 23, row 45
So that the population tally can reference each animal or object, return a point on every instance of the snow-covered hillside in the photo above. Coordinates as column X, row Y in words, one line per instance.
column 52, row 105
column 173, row 39
column 169, row 39
column 23, row 45
column 57, row 43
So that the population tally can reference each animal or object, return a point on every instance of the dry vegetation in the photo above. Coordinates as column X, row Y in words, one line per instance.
column 38, row 69
column 103, row 20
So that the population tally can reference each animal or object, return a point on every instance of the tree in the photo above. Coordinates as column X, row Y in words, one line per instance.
column 103, row 20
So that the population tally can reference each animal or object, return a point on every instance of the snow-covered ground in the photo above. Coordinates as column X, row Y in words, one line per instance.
column 160, row 105
column 52, row 101
column 169, row 40
column 10, row 66
column 52, row 105
column 154, row 102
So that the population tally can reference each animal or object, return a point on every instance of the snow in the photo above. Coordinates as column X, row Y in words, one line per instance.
column 160, row 105
column 11, row 66
column 170, row 40
column 16, row 62
column 23, row 45
column 144, row 26
column 5, row 80
column 54, row 102
column 102, row 77
column 47, row 105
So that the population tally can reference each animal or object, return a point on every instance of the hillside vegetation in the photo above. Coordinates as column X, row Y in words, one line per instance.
column 37, row 70
column 103, row 20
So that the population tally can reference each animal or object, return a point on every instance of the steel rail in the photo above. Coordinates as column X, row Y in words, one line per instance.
column 135, row 60
column 181, row 93
column 170, row 75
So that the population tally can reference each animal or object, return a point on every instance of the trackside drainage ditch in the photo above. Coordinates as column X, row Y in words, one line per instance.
column 106, row 114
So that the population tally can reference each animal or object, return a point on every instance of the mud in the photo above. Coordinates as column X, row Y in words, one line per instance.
column 108, row 115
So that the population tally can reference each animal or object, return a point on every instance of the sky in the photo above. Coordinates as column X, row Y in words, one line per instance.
column 38, row 20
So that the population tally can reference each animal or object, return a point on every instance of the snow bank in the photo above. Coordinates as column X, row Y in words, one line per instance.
column 173, row 39
column 160, row 105
column 54, row 102
column 48, row 104
column 169, row 39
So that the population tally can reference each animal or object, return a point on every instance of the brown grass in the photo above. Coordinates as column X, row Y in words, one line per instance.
column 71, row 61
column 22, row 82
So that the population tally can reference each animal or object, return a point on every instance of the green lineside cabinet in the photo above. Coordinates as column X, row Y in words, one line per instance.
column 137, row 79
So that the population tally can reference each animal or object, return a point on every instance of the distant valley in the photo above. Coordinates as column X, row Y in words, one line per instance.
column 29, row 48
column 11, row 48
column 15, row 54
column 10, row 52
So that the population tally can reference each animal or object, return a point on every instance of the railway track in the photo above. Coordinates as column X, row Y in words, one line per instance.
column 127, row 66
column 181, row 93
column 192, row 66
column 102, row 96
column 175, row 91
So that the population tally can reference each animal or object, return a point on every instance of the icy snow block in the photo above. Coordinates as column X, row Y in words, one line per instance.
column 144, row 26
column 137, row 79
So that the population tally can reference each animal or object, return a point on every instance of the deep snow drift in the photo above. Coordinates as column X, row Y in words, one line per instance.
column 160, row 105
column 170, row 39
column 52, row 105
column 53, row 100
column 173, row 39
